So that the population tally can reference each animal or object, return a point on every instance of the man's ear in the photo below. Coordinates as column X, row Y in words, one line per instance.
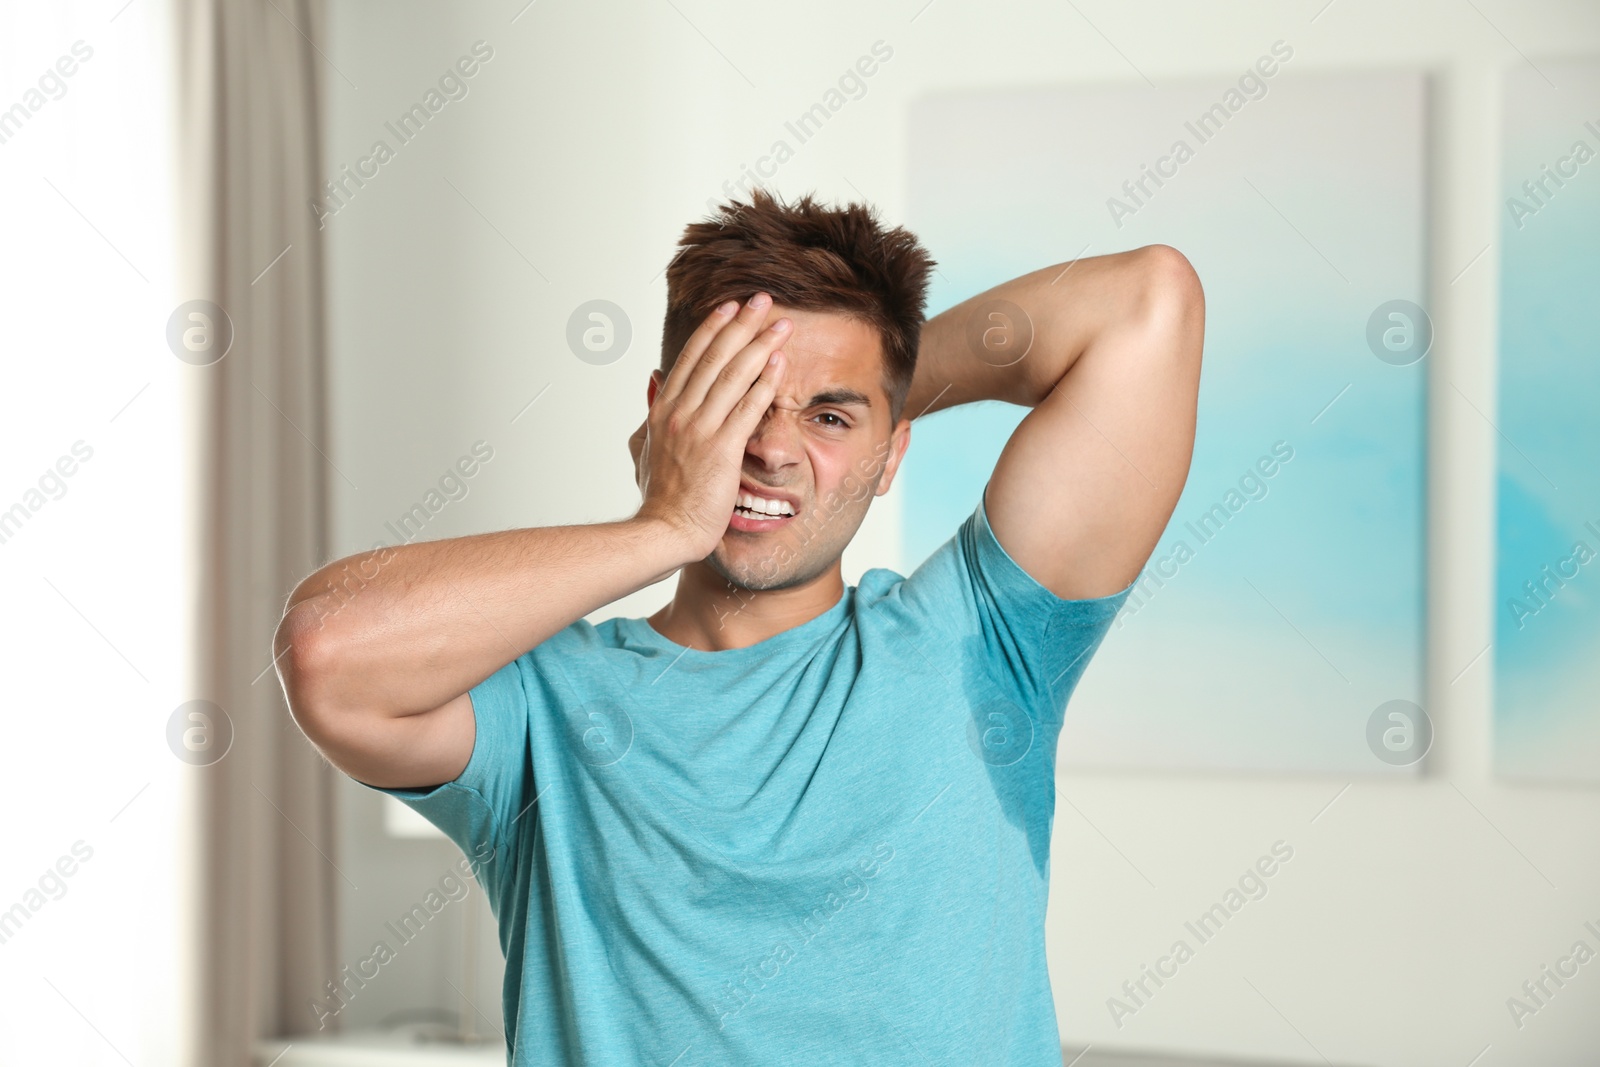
column 636, row 442
column 899, row 441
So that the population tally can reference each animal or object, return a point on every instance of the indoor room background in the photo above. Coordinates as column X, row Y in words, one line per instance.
column 1362, row 656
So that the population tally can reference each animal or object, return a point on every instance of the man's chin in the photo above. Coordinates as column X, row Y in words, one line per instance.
column 756, row 571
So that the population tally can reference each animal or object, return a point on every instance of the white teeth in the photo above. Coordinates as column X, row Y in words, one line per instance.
column 772, row 508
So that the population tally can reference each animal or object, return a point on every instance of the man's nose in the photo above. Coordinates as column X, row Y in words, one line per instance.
column 775, row 439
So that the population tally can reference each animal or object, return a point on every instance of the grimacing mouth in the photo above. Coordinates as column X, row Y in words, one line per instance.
column 755, row 501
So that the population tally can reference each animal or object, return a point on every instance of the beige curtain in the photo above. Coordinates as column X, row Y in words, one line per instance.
column 249, row 85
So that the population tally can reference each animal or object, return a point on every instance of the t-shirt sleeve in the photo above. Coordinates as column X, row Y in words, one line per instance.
column 480, row 810
column 1033, row 644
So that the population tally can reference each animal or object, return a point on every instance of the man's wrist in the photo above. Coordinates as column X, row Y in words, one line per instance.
column 665, row 545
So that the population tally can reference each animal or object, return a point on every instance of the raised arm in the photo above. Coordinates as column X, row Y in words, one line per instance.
column 378, row 652
column 377, row 670
column 1106, row 351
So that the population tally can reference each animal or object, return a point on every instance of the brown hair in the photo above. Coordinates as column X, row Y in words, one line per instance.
column 811, row 258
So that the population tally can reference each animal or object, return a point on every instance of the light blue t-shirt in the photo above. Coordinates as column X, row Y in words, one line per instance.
column 829, row 847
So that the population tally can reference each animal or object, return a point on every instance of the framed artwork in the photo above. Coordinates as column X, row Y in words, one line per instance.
column 1278, row 625
column 1547, row 576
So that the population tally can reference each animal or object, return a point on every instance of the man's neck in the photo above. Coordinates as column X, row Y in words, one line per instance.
column 707, row 614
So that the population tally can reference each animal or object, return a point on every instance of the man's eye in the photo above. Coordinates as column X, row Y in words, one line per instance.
column 839, row 423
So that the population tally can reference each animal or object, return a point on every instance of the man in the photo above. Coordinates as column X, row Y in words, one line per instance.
column 782, row 820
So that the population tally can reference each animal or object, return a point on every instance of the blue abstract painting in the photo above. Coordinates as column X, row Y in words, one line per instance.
column 1283, row 606
column 1547, row 575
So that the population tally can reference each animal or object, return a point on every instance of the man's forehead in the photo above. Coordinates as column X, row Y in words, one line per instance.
column 829, row 352
column 830, row 333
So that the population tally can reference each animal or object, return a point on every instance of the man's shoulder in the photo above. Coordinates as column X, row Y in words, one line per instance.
column 876, row 583
column 936, row 584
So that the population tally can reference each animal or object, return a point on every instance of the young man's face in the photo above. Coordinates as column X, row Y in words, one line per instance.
column 826, row 445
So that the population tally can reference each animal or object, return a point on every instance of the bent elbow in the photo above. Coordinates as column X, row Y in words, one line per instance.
column 1173, row 299
column 303, row 654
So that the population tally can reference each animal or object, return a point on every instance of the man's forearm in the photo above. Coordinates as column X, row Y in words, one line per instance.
column 1015, row 341
column 402, row 630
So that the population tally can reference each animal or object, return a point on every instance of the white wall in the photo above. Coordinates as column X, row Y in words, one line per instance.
column 1410, row 912
column 97, row 962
